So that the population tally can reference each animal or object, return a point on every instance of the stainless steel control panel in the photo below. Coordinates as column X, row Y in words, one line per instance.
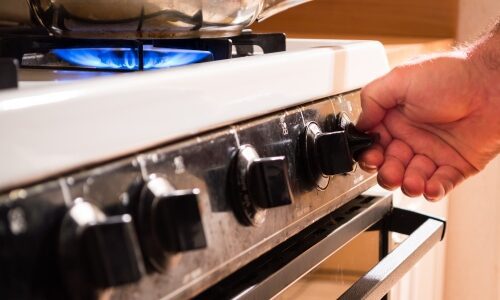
column 170, row 222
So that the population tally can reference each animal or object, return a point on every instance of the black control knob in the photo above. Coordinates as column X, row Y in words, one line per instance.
column 97, row 251
column 333, row 152
column 168, row 221
column 256, row 184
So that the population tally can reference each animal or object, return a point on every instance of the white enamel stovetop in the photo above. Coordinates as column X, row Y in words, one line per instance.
column 48, row 127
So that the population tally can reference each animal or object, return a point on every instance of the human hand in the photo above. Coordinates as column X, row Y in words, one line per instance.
column 438, row 120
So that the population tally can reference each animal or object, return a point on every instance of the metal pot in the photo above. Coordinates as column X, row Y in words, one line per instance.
column 143, row 18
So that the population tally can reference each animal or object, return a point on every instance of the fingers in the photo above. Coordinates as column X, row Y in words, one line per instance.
column 424, row 140
column 397, row 157
column 416, row 175
column 442, row 182
column 381, row 95
column 418, row 172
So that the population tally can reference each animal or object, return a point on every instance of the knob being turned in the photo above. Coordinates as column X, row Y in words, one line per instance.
column 335, row 152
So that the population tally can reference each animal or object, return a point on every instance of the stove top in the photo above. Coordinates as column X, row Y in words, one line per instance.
column 59, row 120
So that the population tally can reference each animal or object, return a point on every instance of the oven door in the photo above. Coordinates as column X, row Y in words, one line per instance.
column 274, row 274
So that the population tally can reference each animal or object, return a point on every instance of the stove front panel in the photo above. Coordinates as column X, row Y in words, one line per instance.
column 31, row 218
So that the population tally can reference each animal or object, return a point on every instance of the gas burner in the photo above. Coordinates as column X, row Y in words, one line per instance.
column 128, row 59
column 47, row 52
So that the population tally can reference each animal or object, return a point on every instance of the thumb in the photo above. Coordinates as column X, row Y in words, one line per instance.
column 381, row 95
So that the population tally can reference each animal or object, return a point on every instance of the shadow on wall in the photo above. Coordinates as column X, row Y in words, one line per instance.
column 473, row 252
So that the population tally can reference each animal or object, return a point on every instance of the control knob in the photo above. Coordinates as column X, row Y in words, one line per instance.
column 256, row 184
column 168, row 221
column 335, row 152
column 97, row 251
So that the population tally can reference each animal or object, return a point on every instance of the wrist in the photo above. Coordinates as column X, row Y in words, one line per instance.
column 484, row 58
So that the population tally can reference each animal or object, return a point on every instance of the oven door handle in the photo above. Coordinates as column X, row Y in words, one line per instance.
column 274, row 271
column 424, row 232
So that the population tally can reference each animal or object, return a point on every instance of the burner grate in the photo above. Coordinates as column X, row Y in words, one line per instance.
column 8, row 73
column 38, row 51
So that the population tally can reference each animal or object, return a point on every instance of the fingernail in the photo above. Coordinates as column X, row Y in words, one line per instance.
column 434, row 199
column 403, row 189
column 366, row 166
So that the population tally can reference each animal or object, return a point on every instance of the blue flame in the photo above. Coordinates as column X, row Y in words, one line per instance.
column 127, row 59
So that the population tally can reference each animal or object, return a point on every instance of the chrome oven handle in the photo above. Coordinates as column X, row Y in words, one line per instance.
column 273, row 272
column 425, row 232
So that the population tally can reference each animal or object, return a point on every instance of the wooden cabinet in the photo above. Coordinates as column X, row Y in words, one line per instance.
column 429, row 18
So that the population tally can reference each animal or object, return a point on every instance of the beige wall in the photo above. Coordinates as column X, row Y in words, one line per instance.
column 473, row 260
column 473, row 250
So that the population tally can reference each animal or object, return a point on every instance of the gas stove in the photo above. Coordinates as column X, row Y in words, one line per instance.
column 165, row 183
